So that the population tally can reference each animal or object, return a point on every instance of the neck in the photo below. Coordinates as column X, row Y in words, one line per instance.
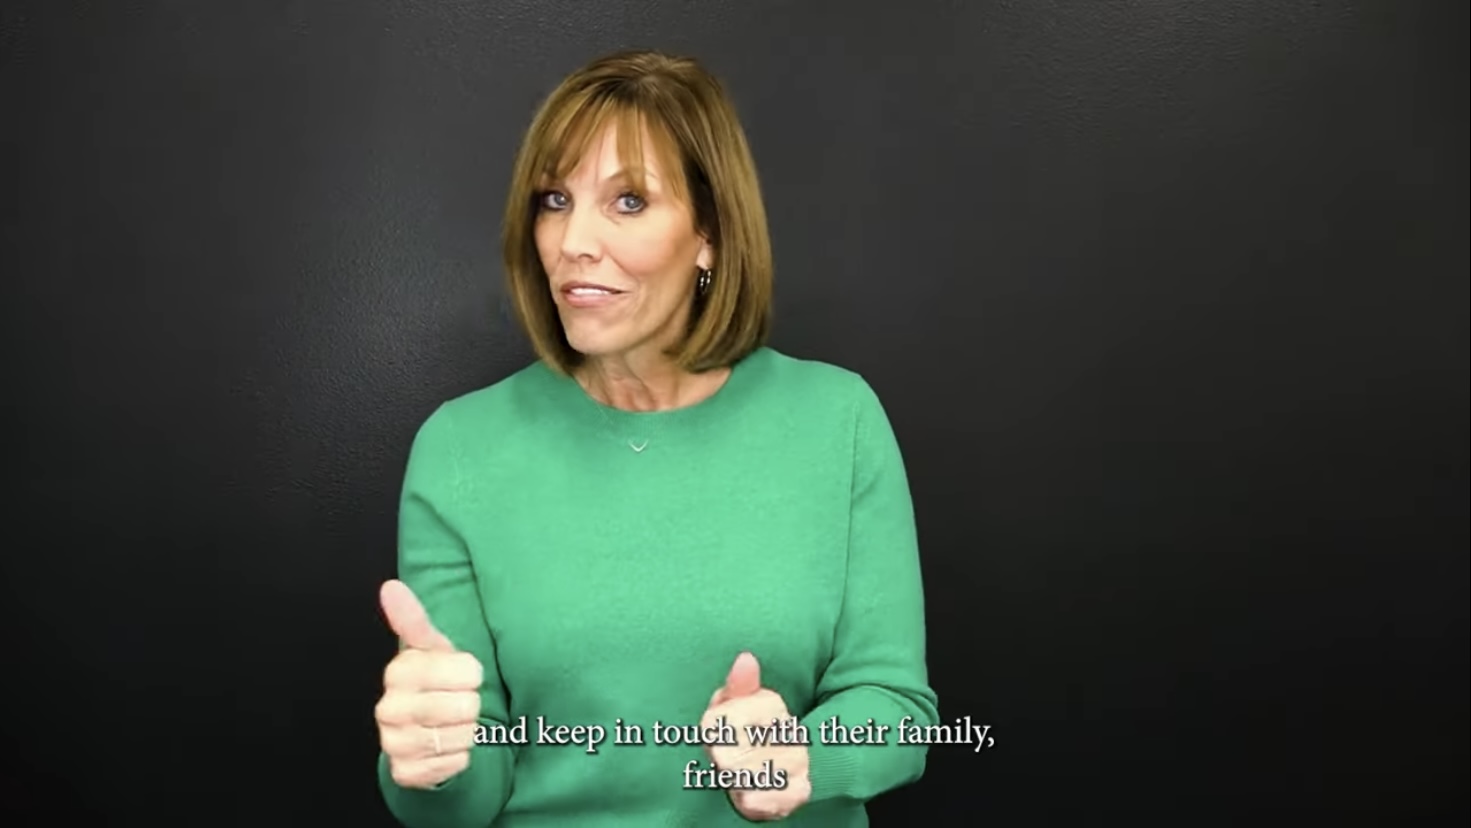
column 646, row 385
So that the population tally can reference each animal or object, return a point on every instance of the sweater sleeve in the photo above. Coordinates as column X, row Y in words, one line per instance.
column 434, row 561
column 878, row 669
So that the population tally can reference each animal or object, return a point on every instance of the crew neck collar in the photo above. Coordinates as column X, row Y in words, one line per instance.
column 730, row 396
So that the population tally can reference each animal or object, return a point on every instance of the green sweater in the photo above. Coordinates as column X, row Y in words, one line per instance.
column 597, row 584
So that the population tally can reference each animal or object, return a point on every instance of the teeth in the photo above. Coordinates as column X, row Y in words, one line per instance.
column 590, row 292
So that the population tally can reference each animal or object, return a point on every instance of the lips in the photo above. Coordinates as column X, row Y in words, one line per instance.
column 589, row 289
column 590, row 295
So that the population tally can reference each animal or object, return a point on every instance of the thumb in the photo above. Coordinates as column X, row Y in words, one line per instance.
column 744, row 678
column 409, row 621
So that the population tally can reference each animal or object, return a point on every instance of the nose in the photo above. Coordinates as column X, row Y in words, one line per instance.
column 580, row 234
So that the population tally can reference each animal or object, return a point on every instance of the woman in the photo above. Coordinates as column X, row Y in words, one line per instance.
column 660, row 508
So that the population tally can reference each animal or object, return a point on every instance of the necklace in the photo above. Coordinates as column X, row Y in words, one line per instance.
column 638, row 446
column 635, row 444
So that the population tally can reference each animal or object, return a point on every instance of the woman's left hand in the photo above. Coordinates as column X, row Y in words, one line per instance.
column 743, row 701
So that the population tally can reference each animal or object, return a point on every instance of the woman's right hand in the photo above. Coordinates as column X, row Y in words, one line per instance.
column 431, row 697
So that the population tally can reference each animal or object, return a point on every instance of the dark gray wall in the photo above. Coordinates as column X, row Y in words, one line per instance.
column 1167, row 300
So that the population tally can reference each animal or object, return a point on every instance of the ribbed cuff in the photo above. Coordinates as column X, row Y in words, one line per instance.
column 833, row 769
column 471, row 798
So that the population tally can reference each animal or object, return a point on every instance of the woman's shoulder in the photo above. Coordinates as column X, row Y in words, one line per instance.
column 814, row 378
column 823, row 394
column 515, row 397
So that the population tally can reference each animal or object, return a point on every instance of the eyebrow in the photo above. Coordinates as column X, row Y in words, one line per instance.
column 621, row 175
column 629, row 174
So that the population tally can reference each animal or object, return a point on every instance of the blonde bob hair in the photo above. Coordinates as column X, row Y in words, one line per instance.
column 701, row 148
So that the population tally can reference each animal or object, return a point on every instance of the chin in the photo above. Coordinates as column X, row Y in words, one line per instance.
column 599, row 344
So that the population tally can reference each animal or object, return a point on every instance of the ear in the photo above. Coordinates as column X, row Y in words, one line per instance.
column 705, row 259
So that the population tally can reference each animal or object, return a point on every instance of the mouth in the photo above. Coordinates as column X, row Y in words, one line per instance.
column 588, row 289
column 588, row 294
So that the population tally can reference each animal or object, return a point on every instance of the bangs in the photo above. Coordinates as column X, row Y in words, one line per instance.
column 571, row 133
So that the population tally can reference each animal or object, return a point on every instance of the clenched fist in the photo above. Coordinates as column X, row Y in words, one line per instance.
column 431, row 697
column 743, row 701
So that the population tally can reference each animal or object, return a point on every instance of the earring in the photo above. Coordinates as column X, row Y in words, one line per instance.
column 702, row 284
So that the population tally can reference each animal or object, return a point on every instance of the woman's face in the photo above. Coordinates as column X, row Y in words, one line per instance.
column 620, row 263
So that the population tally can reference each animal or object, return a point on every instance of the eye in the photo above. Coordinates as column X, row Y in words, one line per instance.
column 552, row 200
column 630, row 203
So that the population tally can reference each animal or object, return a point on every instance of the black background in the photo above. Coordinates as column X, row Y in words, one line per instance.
column 1167, row 301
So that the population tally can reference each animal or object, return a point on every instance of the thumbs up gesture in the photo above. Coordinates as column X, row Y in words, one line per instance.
column 743, row 701
column 431, row 699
